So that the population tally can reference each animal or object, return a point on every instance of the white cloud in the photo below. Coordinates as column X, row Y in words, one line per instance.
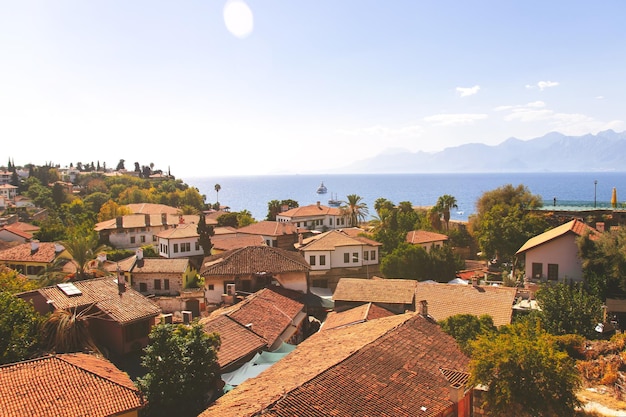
column 599, row 97
column 536, row 104
column 542, row 85
column 468, row 91
column 454, row 119
column 384, row 131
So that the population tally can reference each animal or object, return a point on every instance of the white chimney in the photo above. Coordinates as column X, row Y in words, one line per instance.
column 139, row 253
column 59, row 248
column 102, row 257
column 186, row 317
column 34, row 245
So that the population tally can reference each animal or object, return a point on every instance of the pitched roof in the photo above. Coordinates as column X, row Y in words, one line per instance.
column 267, row 312
column 269, row 228
column 391, row 291
column 161, row 265
column 134, row 221
column 575, row 226
column 237, row 341
column 390, row 366
column 151, row 208
column 46, row 252
column 103, row 293
column 234, row 241
column 445, row 300
column 252, row 260
column 311, row 210
column 354, row 315
column 181, row 231
column 66, row 385
column 417, row 237
column 25, row 227
column 332, row 239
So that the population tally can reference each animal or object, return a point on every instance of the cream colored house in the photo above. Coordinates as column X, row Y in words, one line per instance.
column 553, row 255
column 314, row 217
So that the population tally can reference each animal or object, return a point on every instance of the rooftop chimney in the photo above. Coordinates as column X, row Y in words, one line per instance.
column 139, row 253
column 318, row 204
column 119, row 223
column 423, row 308
column 102, row 256
column 164, row 219
column 186, row 317
column 147, row 220
column 34, row 246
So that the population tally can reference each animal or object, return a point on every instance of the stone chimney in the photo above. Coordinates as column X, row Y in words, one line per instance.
column 423, row 308
column 164, row 219
column 318, row 205
column 147, row 220
column 300, row 239
column 475, row 281
column 119, row 222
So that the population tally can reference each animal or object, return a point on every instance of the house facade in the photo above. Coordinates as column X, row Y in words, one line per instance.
column 426, row 239
column 314, row 217
column 8, row 191
column 334, row 254
column 33, row 257
column 181, row 241
column 247, row 270
column 120, row 318
column 553, row 255
column 276, row 234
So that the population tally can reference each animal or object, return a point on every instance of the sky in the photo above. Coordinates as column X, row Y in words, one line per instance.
column 220, row 88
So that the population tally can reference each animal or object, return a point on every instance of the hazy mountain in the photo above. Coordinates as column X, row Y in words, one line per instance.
column 554, row 152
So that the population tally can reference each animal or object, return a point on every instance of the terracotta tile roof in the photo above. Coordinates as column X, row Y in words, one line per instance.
column 575, row 226
column 333, row 239
column 25, row 227
column 310, row 211
column 181, row 231
column 46, row 252
column 151, row 208
column 161, row 265
column 392, row 366
column 391, row 291
column 268, row 313
column 21, row 233
column 230, row 241
column 103, row 294
column 236, row 340
column 134, row 221
column 252, row 260
column 67, row 385
column 354, row 315
column 445, row 300
column 269, row 228
column 224, row 230
column 417, row 237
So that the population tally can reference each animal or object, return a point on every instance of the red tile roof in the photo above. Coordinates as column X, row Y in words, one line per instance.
column 267, row 313
column 390, row 291
column 575, row 226
column 333, row 239
column 67, row 385
column 46, row 252
column 103, row 294
column 237, row 341
column 235, row 241
column 392, row 366
column 445, row 300
column 181, row 231
column 311, row 210
column 161, row 265
column 151, row 208
column 269, row 228
column 354, row 315
column 417, row 237
column 252, row 260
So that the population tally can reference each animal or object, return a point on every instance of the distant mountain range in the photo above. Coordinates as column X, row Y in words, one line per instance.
column 553, row 152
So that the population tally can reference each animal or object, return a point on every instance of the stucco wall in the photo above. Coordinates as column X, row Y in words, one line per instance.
column 562, row 251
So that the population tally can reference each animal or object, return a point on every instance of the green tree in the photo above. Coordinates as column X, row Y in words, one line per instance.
column 228, row 220
column 569, row 309
column 354, row 209
column 205, row 232
column 66, row 331
column 604, row 262
column 12, row 282
column 181, row 364
column 244, row 218
column 275, row 207
column 407, row 261
column 502, row 223
column 525, row 373
column 51, row 228
column 444, row 204
column 444, row 263
column 466, row 328
column 20, row 326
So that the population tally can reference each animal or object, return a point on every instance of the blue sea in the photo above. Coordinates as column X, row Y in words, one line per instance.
column 252, row 193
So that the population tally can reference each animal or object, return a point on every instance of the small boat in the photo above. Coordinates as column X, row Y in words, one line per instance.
column 322, row 188
column 334, row 202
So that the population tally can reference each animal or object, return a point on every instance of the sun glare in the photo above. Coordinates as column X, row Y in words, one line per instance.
column 238, row 18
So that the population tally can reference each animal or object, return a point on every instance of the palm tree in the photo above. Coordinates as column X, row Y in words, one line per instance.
column 82, row 244
column 68, row 331
column 355, row 210
column 217, row 193
column 444, row 204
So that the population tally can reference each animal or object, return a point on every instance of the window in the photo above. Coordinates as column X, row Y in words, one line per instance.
column 187, row 247
column 154, row 238
column 373, row 255
column 166, row 284
column 312, row 260
column 553, row 272
column 157, row 284
column 330, row 221
column 355, row 257
column 366, row 256
column 197, row 246
column 142, row 239
column 346, row 258
column 143, row 287
column 322, row 259
column 175, row 247
column 211, row 287
column 537, row 270
column 132, row 239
